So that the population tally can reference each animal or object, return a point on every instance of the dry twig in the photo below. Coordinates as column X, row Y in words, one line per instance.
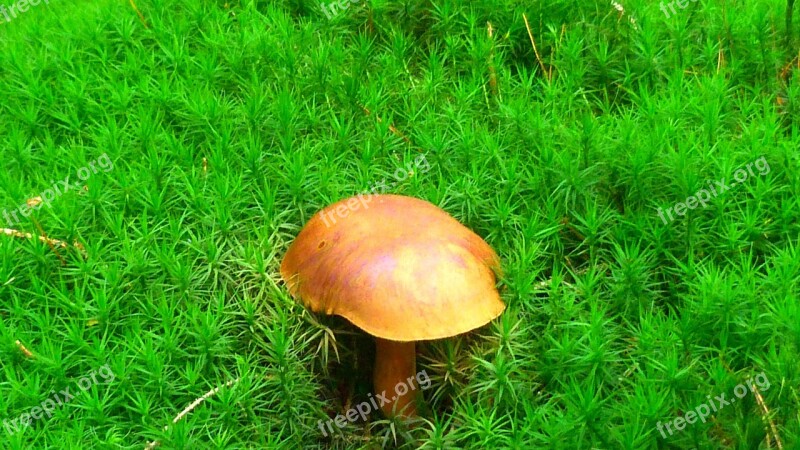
column 192, row 406
column 24, row 349
column 492, row 72
column 766, row 418
column 45, row 239
column 391, row 126
column 49, row 242
column 621, row 11
column 139, row 13
column 535, row 50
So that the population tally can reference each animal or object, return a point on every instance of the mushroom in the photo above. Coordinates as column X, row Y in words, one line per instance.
column 399, row 268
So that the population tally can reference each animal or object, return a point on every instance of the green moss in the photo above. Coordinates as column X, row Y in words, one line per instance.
column 230, row 124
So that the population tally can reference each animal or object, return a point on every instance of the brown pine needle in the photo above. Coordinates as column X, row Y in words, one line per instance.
column 24, row 350
column 492, row 73
column 788, row 66
column 535, row 50
column 766, row 418
column 45, row 239
column 391, row 126
column 49, row 243
column 139, row 13
column 621, row 11
column 189, row 409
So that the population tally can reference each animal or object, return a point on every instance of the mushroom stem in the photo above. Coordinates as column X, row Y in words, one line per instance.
column 395, row 364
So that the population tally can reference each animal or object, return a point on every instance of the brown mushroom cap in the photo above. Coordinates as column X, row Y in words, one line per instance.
column 397, row 267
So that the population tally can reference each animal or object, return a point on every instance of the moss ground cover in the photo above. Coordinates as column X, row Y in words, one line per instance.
column 560, row 132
